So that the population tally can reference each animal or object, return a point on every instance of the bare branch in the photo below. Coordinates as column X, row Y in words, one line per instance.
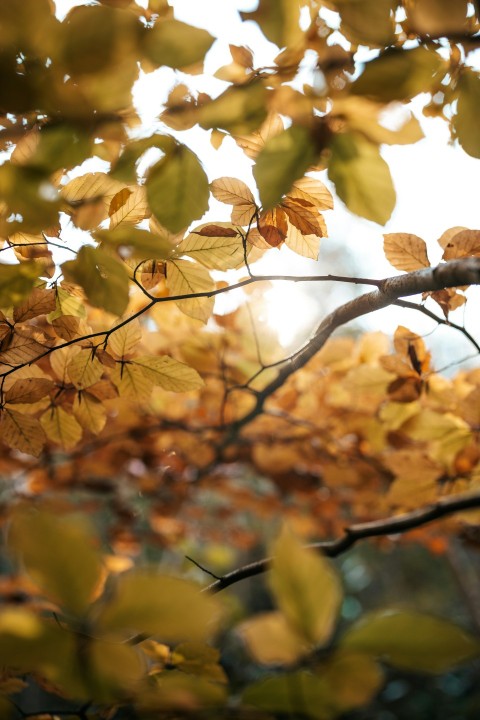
column 377, row 528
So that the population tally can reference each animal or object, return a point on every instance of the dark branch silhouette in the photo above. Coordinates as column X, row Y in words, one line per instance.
column 377, row 528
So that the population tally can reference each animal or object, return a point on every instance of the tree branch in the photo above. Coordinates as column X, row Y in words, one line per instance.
column 354, row 533
column 465, row 271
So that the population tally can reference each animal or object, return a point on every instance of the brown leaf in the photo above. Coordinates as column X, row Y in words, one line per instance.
column 232, row 191
column 405, row 251
column 118, row 200
column 464, row 244
column 300, row 214
column 405, row 390
column 28, row 390
column 445, row 238
column 215, row 231
column 39, row 302
column 242, row 55
column 22, row 432
column 273, row 226
column 67, row 326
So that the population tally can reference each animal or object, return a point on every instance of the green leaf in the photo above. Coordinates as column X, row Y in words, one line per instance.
column 103, row 279
column 176, row 44
column 293, row 694
column 143, row 244
column 177, row 189
column 58, row 553
column 412, row 640
column 278, row 20
column 465, row 121
column 146, row 602
column 362, row 178
column 399, row 74
column 61, row 146
column 285, row 158
column 124, row 167
column 16, row 282
column 367, row 22
column 239, row 110
column 305, row 587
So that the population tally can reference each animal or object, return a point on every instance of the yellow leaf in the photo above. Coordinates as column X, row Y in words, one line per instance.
column 188, row 278
column 305, row 587
column 84, row 369
column 353, row 678
column 90, row 413
column 170, row 374
column 131, row 382
column 306, row 245
column 22, row 432
column 171, row 608
column 232, row 192
column 222, row 251
column 59, row 553
column 412, row 641
column 61, row 427
column 133, row 210
column 463, row 244
column 296, row 694
column 271, row 640
column 125, row 340
column 447, row 433
column 313, row 191
column 91, row 186
column 405, row 251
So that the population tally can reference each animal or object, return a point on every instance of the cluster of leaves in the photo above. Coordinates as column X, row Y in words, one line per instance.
column 96, row 631
column 92, row 348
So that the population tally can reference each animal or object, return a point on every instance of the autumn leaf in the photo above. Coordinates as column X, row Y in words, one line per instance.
column 28, row 390
column 189, row 278
column 169, row 373
column 217, row 247
column 412, row 640
column 61, row 427
column 305, row 589
column 22, row 432
column 405, row 251
column 465, row 243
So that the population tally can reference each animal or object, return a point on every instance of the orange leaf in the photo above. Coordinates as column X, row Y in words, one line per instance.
column 405, row 251
column 273, row 226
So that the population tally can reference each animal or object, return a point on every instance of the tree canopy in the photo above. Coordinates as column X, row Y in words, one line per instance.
column 139, row 422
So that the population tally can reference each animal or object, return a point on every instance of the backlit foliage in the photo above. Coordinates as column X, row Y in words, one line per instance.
column 127, row 396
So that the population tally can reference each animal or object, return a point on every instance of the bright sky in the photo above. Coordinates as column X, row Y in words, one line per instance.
column 435, row 182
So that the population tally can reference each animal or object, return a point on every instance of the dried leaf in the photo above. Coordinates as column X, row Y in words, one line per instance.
column 405, row 251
